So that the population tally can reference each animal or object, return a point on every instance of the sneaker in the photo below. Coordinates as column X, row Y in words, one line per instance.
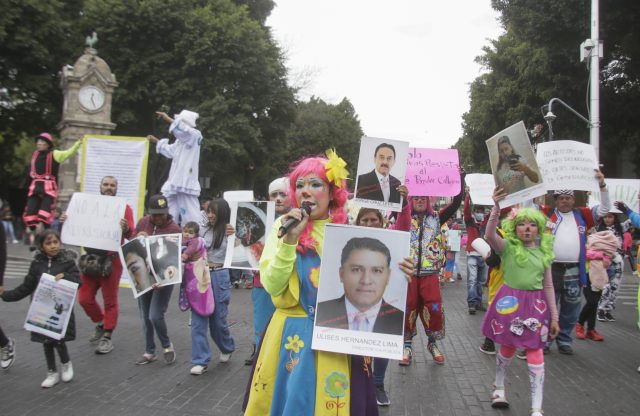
column 406, row 357
column 8, row 354
column 169, row 354
column 580, row 332
column 146, row 359
column 67, row 372
column 600, row 316
column 381, row 396
column 565, row 349
column 499, row 399
column 105, row 346
column 594, row 335
column 521, row 355
column 609, row 317
column 252, row 358
column 52, row 379
column 451, row 280
column 459, row 276
column 198, row 369
column 224, row 358
column 536, row 412
column 472, row 310
column 488, row 347
column 437, row 355
column 480, row 308
column 98, row 334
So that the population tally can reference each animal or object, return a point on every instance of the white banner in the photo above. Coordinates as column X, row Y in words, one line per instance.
column 94, row 221
column 453, row 240
column 124, row 158
column 481, row 186
column 567, row 164
column 51, row 307
column 625, row 190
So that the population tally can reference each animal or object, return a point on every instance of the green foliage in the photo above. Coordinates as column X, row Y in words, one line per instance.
column 36, row 38
column 537, row 58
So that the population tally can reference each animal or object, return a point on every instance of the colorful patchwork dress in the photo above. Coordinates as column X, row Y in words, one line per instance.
column 289, row 378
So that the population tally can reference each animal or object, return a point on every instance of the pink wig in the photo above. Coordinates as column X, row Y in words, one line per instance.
column 339, row 195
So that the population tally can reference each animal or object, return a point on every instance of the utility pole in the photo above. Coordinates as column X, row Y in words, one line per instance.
column 596, row 54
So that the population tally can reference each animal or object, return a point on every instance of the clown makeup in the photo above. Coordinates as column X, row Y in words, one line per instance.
column 42, row 145
column 314, row 192
column 419, row 203
column 527, row 231
column 282, row 200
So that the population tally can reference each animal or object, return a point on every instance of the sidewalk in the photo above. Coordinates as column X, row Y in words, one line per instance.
column 600, row 379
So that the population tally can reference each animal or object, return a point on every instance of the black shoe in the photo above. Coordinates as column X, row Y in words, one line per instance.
column 381, row 396
column 609, row 317
column 565, row 349
column 546, row 350
column 488, row 347
column 459, row 276
column 250, row 360
column 601, row 316
column 472, row 310
column 480, row 308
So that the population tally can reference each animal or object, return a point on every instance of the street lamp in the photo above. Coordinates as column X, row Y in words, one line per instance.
column 549, row 117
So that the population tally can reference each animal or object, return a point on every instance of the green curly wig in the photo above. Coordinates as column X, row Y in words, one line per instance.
column 546, row 238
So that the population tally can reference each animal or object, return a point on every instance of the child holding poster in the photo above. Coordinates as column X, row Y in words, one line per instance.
column 523, row 313
column 61, row 263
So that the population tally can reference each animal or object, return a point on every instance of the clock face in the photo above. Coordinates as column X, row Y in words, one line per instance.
column 91, row 98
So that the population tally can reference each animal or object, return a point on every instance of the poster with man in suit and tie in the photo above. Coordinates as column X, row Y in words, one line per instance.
column 381, row 170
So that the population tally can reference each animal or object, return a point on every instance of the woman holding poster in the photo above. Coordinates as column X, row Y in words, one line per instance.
column 296, row 380
column 512, row 168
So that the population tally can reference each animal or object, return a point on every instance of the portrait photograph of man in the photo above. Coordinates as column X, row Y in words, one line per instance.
column 362, row 291
column 381, row 170
column 365, row 270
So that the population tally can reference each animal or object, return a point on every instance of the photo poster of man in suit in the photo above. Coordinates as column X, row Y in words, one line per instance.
column 362, row 292
column 382, row 165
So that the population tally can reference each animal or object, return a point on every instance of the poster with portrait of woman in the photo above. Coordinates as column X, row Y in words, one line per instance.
column 251, row 220
column 164, row 258
column 152, row 260
column 514, row 165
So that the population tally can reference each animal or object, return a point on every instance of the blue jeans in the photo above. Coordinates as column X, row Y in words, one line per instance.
column 216, row 324
column 379, row 370
column 569, row 301
column 262, row 311
column 153, row 306
column 477, row 271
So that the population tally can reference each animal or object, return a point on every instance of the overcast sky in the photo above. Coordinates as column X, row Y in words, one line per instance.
column 405, row 65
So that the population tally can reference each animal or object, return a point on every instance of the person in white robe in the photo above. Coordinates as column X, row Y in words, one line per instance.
column 182, row 187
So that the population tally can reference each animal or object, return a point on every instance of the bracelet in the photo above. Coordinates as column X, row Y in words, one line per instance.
column 603, row 185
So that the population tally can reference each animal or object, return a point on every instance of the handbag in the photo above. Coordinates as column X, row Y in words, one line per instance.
column 96, row 265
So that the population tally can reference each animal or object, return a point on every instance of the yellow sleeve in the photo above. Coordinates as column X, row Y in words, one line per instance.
column 62, row 155
column 276, row 263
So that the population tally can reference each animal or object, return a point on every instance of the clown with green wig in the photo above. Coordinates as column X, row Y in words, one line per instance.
column 523, row 314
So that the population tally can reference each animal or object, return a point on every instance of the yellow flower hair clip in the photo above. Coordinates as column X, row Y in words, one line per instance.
column 335, row 168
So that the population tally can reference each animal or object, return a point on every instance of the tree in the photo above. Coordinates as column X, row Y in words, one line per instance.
column 537, row 59
column 36, row 38
column 209, row 56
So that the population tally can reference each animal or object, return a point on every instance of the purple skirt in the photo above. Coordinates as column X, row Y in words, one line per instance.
column 518, row 318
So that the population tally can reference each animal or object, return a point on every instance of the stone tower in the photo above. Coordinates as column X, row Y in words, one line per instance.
column 88, row 88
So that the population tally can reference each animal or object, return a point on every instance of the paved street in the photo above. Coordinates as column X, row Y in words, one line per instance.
column 600, row 379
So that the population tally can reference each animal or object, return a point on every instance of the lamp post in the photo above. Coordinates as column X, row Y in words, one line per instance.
column 550, row 117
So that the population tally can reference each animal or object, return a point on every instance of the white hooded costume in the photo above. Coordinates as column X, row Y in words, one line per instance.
column 182, row 188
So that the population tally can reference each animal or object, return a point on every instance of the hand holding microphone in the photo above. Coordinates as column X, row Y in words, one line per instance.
column 291, row 222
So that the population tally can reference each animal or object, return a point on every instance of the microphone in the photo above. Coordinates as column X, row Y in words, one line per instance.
column 292, row 222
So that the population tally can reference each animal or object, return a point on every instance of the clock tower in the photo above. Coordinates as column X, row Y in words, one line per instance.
column 87, row 88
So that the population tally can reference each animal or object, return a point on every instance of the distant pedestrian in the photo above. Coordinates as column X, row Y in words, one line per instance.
column 7, row 345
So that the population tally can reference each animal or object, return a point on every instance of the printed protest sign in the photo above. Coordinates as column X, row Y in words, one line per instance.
column 51, row 307
column 481, row 186
column 433, row 172
column 567, row 164
column 453, row 240
column 361, row 292
column 94, row 221
column 514, row 166
column 382, row 165
column 625, row 190
column 124, row 158
column 252, row 221
column 152, row 260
